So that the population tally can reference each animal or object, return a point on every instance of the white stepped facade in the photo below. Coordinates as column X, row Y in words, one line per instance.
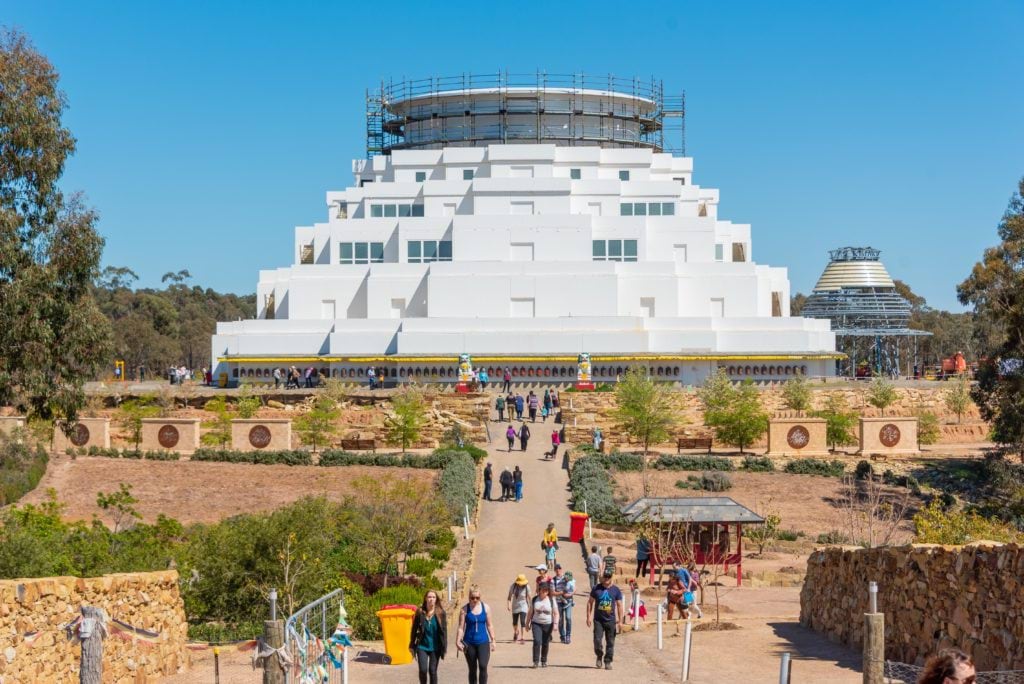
column 525, row 255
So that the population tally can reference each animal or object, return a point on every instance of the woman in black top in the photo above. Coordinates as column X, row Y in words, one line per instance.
column 524, row 436
column 429, row 638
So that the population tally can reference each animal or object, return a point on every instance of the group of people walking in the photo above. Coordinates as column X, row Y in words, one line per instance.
column 516, row 404
column 511, row 483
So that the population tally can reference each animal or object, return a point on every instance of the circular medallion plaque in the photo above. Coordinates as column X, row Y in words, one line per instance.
column 79, row 435
column 889, row 435
column 168, row 436
column 798, row 437
column 259, row 436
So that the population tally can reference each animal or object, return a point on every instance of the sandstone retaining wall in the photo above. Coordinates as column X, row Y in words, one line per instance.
column 933, row 597
column 149, row 600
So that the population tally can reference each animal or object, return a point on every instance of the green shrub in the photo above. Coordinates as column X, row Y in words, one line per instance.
column 457, row 484
column 715, row 482
column 863, row 470
column 815, row 466
column 283, row 457
column 442, row 541
column 590, row 482
column 422, row 567
column 789, row 535
column 757, row 464
column 833, row 537
column 21, row 468
column 693, row 463
column 161, row 456
column 622, row 462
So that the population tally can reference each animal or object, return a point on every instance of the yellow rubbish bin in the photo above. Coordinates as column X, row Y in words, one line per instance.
column 222, row 380
column 396, row 625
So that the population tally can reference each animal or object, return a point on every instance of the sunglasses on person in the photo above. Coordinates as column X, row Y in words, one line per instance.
column 475, row 598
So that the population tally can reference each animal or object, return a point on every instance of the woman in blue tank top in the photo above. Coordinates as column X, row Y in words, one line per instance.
column 476, row 636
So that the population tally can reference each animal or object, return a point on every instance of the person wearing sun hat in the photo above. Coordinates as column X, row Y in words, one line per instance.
column 542, row 576
column 519, row 606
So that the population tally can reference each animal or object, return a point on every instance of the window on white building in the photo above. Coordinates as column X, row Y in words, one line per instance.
column 574, row 174
column 647, row 209
column 361, row 253
column 647, row 307
column 467, row 174
column 682, row 181
column 343, row 210
column 391, row 210
column 421, row 176
column 427, row 251
column 614, row 250
column 719, row 252
column 623, row 175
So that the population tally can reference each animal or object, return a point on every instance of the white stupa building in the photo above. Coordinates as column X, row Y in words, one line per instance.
column 524, row 225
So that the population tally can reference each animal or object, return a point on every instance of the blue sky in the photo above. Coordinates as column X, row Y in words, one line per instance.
column 207, row 131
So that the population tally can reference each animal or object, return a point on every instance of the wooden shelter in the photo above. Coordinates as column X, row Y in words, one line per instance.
column 694, row 528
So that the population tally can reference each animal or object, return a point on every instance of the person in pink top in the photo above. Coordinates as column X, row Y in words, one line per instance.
column 555, row 441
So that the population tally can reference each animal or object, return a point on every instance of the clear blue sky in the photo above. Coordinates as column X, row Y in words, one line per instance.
column 207, row 131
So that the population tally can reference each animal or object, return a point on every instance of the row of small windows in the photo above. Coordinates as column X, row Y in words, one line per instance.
column 426, row 251
column 361, row 253
column 568, row 372
column 614, row 250
column 392, row 210
column 647, row 209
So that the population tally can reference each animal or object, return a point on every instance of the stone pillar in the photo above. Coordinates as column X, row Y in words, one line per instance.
column 797, row 436
column 256, row 434
column 887, row 435
column 170, row 434
column 87, row 432
column 9, row 424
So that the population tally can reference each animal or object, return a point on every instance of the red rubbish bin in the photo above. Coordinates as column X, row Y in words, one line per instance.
column 577, row 526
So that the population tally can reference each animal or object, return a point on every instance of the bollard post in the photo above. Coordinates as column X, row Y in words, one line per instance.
column 449, row 588
column 661, row 613
column 216, row 665
column 91, row 633
column 636, row 609
column 344, row 666
column 465, row 526
column 467, row 511
column 874, row 648
column 784, row 669
column 873, row 597
column 273, row 635
column 686, row 650
column 273, row 604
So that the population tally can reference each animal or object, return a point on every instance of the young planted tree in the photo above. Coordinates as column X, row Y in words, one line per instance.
column 53, row 336
column 928, row 429
column 763, row 535
column 319, row 424
column 872, row 511
column 392, row 519
column 131, row 414
column 644, row 411
column 742, row 421
column 958, row 397
column 717, row 393
column 120, row 505
column 840, row 422
column 796, row 395
column 881, row 394
column 410, row 415
column 218, row 430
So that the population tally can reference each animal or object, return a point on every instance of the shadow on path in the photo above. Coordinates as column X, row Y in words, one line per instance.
column 805, row 643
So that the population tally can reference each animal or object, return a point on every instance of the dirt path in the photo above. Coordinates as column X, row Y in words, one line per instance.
column 508, row 540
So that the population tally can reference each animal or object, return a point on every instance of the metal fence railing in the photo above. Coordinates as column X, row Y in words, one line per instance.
column 901, row 673
column 317, row 638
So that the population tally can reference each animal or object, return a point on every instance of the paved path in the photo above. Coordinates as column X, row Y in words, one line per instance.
column 507, row 541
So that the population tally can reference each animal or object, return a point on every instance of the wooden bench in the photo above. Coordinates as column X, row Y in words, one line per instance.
column 359, row 444
column 693, row 443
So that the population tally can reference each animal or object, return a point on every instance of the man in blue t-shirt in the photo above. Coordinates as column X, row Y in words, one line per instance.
column 605, row 609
